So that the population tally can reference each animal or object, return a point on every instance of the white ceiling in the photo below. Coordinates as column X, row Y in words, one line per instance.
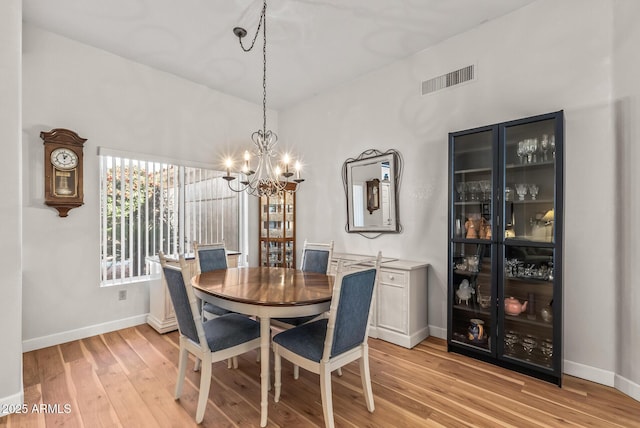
column 313, row 45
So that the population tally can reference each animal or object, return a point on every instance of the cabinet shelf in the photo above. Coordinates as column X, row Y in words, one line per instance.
column 472, row 171
column 530, row 166
column 522, row 319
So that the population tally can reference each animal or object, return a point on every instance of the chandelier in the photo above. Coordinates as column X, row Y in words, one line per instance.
column 267, row 179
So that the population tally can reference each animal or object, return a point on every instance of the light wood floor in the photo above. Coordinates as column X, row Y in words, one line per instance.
column 126, row 378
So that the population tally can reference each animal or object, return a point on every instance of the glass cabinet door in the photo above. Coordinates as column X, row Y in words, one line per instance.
column 529, row 181
column 528, row 322
column 473, row 183
column 472, row 312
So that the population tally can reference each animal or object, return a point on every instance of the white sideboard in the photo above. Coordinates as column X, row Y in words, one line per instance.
column 400, row 309
column 161, row 315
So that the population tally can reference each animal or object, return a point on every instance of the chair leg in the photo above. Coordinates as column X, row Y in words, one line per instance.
column 182, row 371
column 196, row 366
column 277, row 370
column 339, row 371
column 205, row 384
column 327, row 401
column 366, row 380
column 296, row 371
column 235, row 362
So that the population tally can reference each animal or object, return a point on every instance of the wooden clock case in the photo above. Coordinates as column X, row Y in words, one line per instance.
column 57, row 179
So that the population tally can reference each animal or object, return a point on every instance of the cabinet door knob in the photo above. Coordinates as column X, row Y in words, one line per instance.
column 392, row 277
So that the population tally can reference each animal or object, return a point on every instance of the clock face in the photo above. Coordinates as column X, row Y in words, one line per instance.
column 63, row 158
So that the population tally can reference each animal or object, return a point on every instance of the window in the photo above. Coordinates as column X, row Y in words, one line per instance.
column 147, row 206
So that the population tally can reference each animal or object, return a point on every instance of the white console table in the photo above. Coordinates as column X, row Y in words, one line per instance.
column 400, row 310
column 161, row 315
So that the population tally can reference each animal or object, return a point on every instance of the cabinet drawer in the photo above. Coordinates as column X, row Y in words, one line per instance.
column 394, row 277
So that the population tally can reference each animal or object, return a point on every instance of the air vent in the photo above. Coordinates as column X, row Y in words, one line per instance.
column 465, row 74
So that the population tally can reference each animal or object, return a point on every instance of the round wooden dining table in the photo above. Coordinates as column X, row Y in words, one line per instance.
column 265, row 292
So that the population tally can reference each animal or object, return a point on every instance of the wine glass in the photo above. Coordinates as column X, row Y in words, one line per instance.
column 529, row 343
column 460, row 188
column 473, row 188
column 521, row 190
column 485, row 188
column 533, row 191
column 544, row 145
column 531, row 149
column 521, row 151
column 552, row 145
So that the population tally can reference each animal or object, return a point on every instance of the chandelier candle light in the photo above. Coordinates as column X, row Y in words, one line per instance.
column 267, row 179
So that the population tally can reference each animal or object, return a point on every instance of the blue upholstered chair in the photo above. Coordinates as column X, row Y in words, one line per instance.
column 316, row 257
column 210, row 257
column 325, row 345
column 214, row 340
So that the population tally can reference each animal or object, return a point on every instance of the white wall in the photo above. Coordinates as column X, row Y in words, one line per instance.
column 117, row 104
column 627, row 116
column 10, row 205
column 545, row 57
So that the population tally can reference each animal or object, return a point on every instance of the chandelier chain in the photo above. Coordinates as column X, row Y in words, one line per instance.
column 264, row 68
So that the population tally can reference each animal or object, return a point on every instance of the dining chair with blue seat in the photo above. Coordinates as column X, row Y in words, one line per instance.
column 214, row 340
column 316, row 257
column 210, row 257
column 327, row 344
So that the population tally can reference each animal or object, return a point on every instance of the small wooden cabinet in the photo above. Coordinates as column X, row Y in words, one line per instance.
column 277, row 247
column 400, row 310
column 161, row 314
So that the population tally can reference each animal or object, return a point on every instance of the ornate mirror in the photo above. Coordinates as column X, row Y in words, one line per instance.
column 371, row 182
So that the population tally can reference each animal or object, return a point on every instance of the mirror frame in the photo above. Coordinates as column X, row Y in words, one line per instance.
column 373, row 197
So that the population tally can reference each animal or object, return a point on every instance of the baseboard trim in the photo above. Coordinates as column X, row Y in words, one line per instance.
column 81, row 333
column 593, row 374
column 439, row 332
column 628, row 387
column 11, row 402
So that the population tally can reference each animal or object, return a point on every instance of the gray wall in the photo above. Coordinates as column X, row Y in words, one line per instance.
column 10, row 204
column 627, row 208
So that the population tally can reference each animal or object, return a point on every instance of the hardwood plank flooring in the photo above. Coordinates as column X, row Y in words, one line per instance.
column 127, row 378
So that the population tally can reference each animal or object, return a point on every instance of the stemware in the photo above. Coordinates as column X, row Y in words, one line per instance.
column 544, row 145
column 533, row 191
column 511, row 339
column 473, row 187
column 529, row 343
column 547, row 349
column 521, row 151
column 460, row 188
column 485, row 188
column 531, row 149
column 521, row 190
column 552, row 145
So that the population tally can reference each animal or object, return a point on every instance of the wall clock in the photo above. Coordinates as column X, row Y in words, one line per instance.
column 63, row 169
